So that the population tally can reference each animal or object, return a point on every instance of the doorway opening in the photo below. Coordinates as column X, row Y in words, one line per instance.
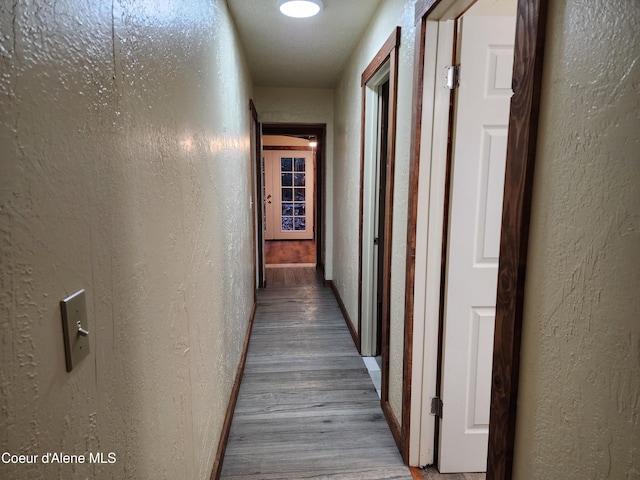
column 495, row 238
column 373, row 211
column 292, row 177
column 379, row 99
column 468, row 62
column 289, row 171
column 256, row 203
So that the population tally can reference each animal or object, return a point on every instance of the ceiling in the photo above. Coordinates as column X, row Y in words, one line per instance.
column 294, row 52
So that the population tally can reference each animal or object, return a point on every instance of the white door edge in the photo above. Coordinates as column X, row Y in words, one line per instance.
column 439, row 38
column 433, row 160
column 368, row 335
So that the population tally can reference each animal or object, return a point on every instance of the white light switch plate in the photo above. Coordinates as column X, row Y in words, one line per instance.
column 74, row 318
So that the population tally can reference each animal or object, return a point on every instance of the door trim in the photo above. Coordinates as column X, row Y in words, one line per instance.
column 319, row 130
column 521, row 151
column 273, row 147
column 258, row 229
column 514, row 240
column 387, row 53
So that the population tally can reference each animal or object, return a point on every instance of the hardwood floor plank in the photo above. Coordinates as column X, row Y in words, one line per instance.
column 307, row 408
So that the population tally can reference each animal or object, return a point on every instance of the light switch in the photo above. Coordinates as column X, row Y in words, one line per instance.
column 75, row 328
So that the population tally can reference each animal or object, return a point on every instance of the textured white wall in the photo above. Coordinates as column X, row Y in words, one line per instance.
column 579, row 396
column 391, row 13
column 305, row 105
column 124, row 170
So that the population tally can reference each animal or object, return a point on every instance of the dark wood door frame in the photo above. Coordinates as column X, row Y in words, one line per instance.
column 381, row 216
column 320, row 132
column 388, row 53
column 258, row 229
column 521, row 150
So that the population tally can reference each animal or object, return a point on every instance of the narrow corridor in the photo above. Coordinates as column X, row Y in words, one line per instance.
column 307, row 407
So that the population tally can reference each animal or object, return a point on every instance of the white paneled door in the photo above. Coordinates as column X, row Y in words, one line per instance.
column 288, row 195
column 480, row 140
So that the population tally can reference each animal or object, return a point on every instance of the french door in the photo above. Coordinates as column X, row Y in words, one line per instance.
column 288, row 195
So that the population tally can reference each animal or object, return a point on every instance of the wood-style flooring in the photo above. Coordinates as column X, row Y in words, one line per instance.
column 307, row 408
column 278, row 252
column 292, row 277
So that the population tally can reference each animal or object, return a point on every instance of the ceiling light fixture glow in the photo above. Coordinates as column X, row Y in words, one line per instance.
column 300, row 8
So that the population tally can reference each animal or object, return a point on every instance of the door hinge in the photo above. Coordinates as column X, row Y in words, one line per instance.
column 452, row 76
column 436, row 407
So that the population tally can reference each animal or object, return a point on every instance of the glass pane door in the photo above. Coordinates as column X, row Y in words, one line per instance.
column 290, row 194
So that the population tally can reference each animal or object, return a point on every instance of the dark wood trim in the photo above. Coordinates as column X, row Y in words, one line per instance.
column 231, row 406
column 422, row 10
column 521, row 149
column 295, row 129
column 345, row 313
column 252, row 108
column 388, row 220
column 381, row 57
column 414, row 174
column 394, row 426
column 273, row 147
column 363, row 118
column 256, row 179
column 514, row 240
column 319, row 130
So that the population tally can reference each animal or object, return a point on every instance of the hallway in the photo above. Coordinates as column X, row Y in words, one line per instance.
column 131, row 158
column 307, row 407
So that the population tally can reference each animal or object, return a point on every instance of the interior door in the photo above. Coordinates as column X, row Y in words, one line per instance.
column 485, row 54
column 289, row 194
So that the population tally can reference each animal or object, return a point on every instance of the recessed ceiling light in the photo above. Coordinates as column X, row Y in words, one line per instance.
column 300, row 8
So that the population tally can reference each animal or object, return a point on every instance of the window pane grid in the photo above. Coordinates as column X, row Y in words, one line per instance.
column 293, row 193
